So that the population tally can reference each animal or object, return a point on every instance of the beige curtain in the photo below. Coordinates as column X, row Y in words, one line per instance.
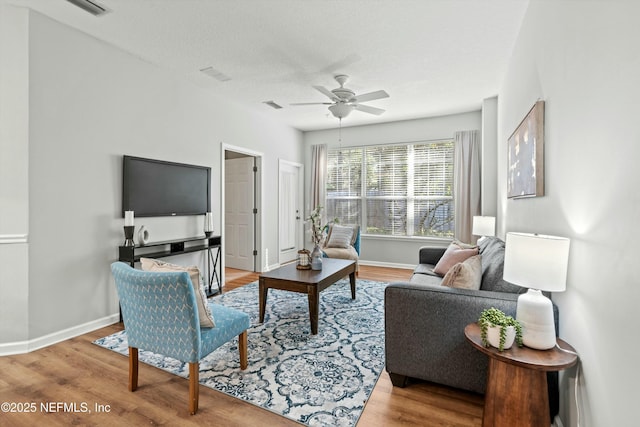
column 466, row 183
column 318, row 176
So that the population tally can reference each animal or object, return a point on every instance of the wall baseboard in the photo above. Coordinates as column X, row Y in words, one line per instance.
column 18, row 347
column 387, row 264
column 7, row 349
column 6, row 239
column 270, row 267
column 361, row 262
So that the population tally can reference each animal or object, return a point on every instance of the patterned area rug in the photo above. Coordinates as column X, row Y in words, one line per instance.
column 316, row 380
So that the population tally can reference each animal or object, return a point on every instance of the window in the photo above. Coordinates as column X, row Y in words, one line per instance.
column 396, row 190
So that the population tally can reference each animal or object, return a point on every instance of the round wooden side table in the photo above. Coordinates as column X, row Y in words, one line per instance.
column 517, row 392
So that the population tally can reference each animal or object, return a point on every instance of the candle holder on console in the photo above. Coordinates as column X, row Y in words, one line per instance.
column 128, row 228
column 128, row 235
column 208, row 224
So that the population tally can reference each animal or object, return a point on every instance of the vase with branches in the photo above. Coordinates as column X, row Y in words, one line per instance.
column 318, row 234
column 316, row 228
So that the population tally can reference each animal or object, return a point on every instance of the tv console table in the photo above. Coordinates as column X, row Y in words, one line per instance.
column 132, row 254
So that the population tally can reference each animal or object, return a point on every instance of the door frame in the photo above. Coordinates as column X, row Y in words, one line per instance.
column 259, row 218
column 240, row 220
column 300, row 190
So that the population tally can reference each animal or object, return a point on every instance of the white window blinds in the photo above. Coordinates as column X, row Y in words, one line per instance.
column 407, row 188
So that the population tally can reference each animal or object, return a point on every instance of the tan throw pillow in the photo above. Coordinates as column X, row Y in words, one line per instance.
column 455, row 253
column 340, row 237
column 204, row 312
column 465, row 275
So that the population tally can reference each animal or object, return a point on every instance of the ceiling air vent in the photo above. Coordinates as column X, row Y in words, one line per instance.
column 90, row 6
column 272, row 104
column 218, row 75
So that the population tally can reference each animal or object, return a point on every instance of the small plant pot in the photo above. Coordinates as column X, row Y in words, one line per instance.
column 493, row 336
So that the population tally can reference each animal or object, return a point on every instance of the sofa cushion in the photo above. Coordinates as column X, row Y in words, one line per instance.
column 455, row 253
column 425, row 279
column 492, row 251
column 342, row 253
column 425, row 269
column 465, row 275
column 204, row 312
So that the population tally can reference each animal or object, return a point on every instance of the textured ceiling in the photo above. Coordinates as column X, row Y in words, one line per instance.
column 433, row 57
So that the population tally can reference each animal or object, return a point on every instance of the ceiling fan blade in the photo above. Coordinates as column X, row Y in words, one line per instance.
column 370, row 110
column 326, row 92
column 379, row 94
column 312, row 103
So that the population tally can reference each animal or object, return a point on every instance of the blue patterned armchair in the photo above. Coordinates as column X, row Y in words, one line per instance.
column 160, row 315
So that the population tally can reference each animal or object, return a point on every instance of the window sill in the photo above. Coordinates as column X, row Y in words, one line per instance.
column 438, row 241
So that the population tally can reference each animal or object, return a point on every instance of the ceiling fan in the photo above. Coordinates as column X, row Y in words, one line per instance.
column 344, row 100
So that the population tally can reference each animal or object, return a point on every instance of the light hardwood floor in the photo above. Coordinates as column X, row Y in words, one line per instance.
column 76, row 372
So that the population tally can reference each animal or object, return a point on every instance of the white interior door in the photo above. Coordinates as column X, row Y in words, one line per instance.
column 289, row 211
column 239, row 214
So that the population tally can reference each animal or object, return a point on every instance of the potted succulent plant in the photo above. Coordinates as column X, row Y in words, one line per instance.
column 498, row 329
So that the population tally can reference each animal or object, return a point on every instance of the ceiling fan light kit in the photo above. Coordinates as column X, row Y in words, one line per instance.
column 345, row 100
column 341, row 109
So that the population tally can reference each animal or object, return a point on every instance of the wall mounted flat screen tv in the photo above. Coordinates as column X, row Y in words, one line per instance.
column 160, row 188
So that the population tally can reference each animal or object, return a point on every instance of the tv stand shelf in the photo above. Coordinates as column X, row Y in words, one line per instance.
column 132, row 254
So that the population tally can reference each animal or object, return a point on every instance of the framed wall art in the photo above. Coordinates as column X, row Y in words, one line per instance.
column 525, row 156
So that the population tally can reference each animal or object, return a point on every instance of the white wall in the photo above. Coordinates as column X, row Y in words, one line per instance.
column 14, row 167
column 583, row 59
column 489, row 156
column 383, row 250
column 90, row 103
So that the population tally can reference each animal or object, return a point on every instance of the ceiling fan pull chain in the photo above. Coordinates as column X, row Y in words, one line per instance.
column 340, row 143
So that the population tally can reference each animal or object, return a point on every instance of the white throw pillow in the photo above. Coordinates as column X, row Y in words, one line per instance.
column 204, row 312
column 340, row 236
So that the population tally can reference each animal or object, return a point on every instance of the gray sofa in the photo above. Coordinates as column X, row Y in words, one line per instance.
column 424, row 323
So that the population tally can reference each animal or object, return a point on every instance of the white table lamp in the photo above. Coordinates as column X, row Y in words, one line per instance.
column 537, row 262
column 483, row 226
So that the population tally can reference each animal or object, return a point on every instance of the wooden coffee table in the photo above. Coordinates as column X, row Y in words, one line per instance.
column 310, row 282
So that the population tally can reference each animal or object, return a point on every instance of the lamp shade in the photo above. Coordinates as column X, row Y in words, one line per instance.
column 484, row 226
column 536, row 261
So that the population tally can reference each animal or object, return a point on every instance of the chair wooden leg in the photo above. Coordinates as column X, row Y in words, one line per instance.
column 133, row 368
column 194, row 389
column 242, row 345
